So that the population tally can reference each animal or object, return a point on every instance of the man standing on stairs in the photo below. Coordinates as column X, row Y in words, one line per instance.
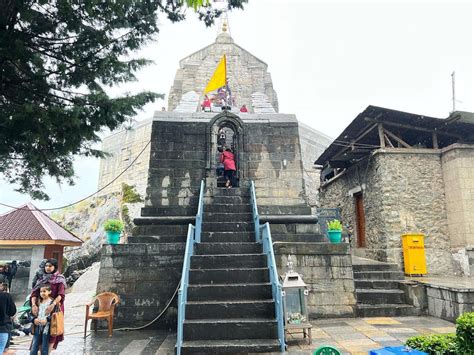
column 227, row 158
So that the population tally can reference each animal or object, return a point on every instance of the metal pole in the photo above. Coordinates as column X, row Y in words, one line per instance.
column 453, row 79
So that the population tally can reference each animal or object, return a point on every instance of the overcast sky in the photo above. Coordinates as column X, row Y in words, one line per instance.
column 329, row 60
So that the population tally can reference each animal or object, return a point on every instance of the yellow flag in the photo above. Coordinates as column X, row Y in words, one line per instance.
column 218, row 79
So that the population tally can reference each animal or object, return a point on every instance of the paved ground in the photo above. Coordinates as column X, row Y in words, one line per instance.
column 350, row 335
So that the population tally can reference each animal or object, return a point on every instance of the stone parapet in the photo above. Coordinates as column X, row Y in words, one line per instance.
column 327, row 270
column 145, row 276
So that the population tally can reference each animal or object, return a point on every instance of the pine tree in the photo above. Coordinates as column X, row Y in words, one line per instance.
column 56, row 58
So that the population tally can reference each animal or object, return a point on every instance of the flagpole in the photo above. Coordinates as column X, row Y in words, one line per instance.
column 226, row 84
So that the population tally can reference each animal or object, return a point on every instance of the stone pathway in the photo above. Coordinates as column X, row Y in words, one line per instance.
column 350, row 335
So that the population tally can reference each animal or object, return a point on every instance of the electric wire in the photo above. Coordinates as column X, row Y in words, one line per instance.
column 85, row 198
column 336, row 142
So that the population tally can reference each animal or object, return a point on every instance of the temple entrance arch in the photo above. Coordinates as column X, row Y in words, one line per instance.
column 225, row 130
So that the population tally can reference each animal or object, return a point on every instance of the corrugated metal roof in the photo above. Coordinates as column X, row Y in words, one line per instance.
column 28, row 223
column 404, row 120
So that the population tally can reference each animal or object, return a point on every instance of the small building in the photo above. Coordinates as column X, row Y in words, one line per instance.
column 393, row 172
column 28, row 236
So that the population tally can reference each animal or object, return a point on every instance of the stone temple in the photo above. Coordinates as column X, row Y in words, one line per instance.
column 227, row 294
column 228, row 271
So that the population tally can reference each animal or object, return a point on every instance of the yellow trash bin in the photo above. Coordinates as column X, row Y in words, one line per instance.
column 414, row 254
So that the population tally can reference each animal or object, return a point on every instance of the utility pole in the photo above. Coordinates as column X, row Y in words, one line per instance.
column 453, row 78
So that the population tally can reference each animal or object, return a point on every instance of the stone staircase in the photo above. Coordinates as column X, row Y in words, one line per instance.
column 377, row 290
column 229, row 307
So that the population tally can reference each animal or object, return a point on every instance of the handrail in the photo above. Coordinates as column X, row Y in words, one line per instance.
column 275, row 281
column 264, row 236
column 197, row 235
column 256, row 217
column 193, row 237
column 183, row 289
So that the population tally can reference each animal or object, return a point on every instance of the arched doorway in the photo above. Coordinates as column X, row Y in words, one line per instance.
column 225, row 131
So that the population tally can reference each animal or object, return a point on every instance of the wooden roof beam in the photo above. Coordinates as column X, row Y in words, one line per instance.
column 358, row 138
column 399, row 140
column 407, row 126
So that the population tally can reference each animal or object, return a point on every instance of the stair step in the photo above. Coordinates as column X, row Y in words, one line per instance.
column 161, row 230
column 227, row 217
column 156, row 239
column 228, row 276
column 230, row 329
column 377, row 297
column 227, row 226
column 227, row 200
column 375, row 267
column 377, row 284
column 231, row 309
column 236, row 191
column 379, row 275
column 228, row 248
column 299, row 238
column 219, row 292
column 220, row 261
column 223, row 237
column 234, row 346
column 386, row 310
column 227, row 208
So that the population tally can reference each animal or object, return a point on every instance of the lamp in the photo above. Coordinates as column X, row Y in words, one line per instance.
column 295, row 295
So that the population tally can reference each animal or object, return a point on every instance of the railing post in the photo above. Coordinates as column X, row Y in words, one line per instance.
column 256, row 217
column 199, row 214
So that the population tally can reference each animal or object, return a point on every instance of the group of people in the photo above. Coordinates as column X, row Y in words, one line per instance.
column 220, row 100
column 47, row 297
column 8, row 272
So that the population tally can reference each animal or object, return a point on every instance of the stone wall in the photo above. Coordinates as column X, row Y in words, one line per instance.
column 327, row 270
column 145, row 276
column 458, row 175
column 179, row 153
column 439, row 299
column 246, row 73
column 313, row 144
column 124, row 146
column 403, row 192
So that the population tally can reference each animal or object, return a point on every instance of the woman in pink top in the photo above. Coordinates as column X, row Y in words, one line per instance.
column 227, row 158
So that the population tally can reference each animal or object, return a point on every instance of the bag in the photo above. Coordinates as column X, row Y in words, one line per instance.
column 56, row 326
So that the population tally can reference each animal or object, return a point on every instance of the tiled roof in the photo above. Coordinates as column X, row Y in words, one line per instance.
column 28, row 223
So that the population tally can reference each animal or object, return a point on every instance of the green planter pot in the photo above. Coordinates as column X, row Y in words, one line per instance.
column 334, row 236
column 112, row 237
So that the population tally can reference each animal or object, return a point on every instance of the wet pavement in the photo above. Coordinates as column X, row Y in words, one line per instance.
column 349, row 335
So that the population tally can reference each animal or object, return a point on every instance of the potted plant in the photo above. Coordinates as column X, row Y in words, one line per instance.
column 113, row 228
column 334, row 231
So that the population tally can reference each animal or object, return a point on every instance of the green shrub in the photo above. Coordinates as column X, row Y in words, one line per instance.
column 437, row 344
column 113, row 225
column 129, row 195
column 334, row 225
column 465, row 333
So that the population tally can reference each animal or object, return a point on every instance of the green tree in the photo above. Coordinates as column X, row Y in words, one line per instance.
column 56, row 58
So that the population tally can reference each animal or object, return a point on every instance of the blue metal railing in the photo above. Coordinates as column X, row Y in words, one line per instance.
column 183, row 289
column 193, row 237
column 256, row 217
column 275, row 281
column 197, row 235
column 264, row 236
